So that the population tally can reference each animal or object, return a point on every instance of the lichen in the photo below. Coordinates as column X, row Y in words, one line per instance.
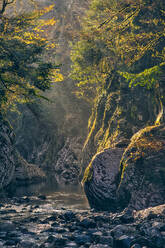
column 88, row 174
column 90, row 133
column 146, row 143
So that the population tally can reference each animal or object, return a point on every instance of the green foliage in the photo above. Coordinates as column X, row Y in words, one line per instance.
column 148, row 77
column 23, row 70
column 124, row 36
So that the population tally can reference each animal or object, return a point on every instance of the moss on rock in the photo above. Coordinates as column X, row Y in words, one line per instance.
column 88, row 174
column 142, row 169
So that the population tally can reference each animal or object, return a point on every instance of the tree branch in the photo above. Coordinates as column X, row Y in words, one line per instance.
column 5, row 86
column 4, row 5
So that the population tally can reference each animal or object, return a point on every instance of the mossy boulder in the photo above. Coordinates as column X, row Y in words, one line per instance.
column 136, row 178
column 142, row 169
column 99, row 180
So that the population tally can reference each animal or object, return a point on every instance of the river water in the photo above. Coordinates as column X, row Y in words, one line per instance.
column 53, row 195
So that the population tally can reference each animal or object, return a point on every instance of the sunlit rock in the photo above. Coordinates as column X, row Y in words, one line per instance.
column 142, row 182
column 100, row 179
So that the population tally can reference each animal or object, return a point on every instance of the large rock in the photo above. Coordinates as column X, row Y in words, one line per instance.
column 118, row 113
column 67, row 167
column 7, row 166
column 139, row 184
column 100, row 182
column 13, row 168
column 142, row 181
column 26, row 173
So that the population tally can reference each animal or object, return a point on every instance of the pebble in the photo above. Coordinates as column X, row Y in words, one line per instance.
column 122, row 242
column 77, row 229
column 7, row 226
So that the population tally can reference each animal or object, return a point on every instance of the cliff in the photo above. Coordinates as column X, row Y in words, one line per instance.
column 128, row 168
column 13, row 168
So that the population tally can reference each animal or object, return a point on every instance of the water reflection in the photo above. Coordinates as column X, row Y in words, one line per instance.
column 70, row 197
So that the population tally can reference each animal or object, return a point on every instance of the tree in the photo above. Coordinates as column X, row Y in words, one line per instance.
column 23, row 70
column 127, row 37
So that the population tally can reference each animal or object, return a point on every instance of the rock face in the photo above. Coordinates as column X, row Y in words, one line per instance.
column 100, row 182
column 141, row 180
column 13, row 168
column 118, row 113
column 26, row 173
column 36, row 138
column 67, row 168
column 7, row 166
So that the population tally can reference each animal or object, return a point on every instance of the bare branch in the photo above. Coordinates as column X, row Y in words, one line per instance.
column 4, row 5
column 5, row 86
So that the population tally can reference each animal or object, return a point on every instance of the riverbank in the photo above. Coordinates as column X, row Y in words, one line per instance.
column 42, row 222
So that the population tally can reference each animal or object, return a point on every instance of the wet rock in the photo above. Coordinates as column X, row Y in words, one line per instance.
column 119, row 230
column 10, row 243
column 122, row 242
column 42, row 197
column 136, row 246
column 49, row 230
column 100, row 179
column 51, row 218
column 13, row 234
column 76, row 229
column 106, row 240
column 69, row 215
column 100, row 246
column 60, row 242
column 2, row 235
column 87, row 223
column 126, row 216
column 82, row 239
column 142, row 184
column 60, row 230
column 27, row 244
column 72, row 228
column 96, row 236
column 71, row 245
column 156, row 237
column 57, row 240
column 7, row 211
column 7, row 226
column 1, row 244
column 142, row 241
column 151, row 215
column 159, row 225
column 50, row 239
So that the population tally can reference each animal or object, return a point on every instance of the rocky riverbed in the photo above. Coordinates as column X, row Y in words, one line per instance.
column 65, row 220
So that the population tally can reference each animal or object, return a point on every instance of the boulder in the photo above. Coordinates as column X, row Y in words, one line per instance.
column 99, row 180
column 26, row 173
column 140, row 182
column 142, row 170
column 67, row 167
